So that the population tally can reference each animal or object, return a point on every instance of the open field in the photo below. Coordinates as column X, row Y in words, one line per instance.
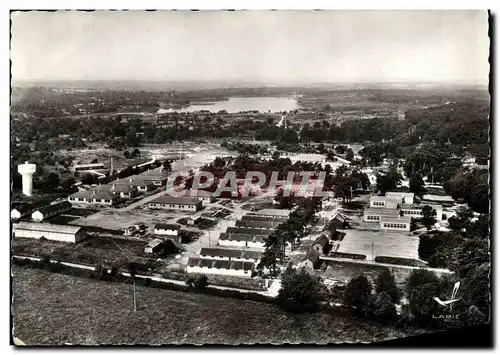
column 383, row 243
column 53, row 309
column 119, row 219
column 109, row 251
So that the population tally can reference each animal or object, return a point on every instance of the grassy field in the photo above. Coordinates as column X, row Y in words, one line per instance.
column 110, row 251
column 54, row 309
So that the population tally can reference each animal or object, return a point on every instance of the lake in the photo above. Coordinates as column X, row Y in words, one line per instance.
column 237, row 104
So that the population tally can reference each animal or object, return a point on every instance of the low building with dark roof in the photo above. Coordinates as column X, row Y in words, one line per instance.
column 202, row 195
column 261, row 224
column 21, row 210
column 50, row 210
column 220, row 267
column 253, row 231
column 60, row 233
column 242, row 240
column 321, row 244
column 154, row 246
column 95, row 196
column 312, row 260
column 176, row 203
column 231, row 254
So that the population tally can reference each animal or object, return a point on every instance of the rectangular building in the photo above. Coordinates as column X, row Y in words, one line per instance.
column 407, row 197
column 395, row 224
column 60, row 233
column 154, row 246
column 414, row 210
column 385, row 202
column 176, row 203
column 374, row 214
column 94, row 197
column 220, row 267
column 262, row 224
column 246, row 255
column 51, row 210
column 242, row 240
column 167, row 229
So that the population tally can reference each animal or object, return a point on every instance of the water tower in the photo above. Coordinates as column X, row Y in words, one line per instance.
column 27, row 170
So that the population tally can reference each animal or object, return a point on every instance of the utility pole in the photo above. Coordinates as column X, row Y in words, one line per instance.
column 135, row 300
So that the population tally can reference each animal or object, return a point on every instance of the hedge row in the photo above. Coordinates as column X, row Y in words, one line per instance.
column 348, row 255
column 398, row 261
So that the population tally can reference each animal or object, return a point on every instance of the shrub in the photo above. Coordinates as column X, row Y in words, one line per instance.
column 200, row 282
column 348, row 255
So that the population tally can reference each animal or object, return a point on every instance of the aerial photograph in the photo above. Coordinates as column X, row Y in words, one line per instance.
column 249, row 177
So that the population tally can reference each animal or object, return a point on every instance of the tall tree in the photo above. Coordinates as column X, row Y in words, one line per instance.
column 428, row 216
column 357, row 294
column 299, row 291
column 385, row 283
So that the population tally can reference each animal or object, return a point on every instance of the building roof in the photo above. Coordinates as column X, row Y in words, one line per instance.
column 243, row 237
column 387, row 219
column 386, row 198
column 322, row 240
column 54, row 207
column 400, row 194
column 221, row 264
column 273, row 212
column 312, row 255
column 154, row 243
column 100, row 194
column 200, row 193
column 438, row 198
column 249, row 231
column 122, row 188
column 381, row 212
column 170, row 200
column 24, row 207
column 46, row 227
column 167, row 226
column 258, row 224
column 90, row 165
column 231, row 253
column 256, row 217
column 413, row 206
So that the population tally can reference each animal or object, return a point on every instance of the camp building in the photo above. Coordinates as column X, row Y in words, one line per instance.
column 61, row 233
column 176, row 203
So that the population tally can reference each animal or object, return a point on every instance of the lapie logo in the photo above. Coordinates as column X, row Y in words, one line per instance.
column 453, row 299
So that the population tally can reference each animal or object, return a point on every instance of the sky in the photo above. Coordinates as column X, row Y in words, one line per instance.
column 273, row 47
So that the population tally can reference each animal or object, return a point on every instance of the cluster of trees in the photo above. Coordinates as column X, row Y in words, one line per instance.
column 246, row 148
column 464, row 250
column 379, row 305
column 290, row 232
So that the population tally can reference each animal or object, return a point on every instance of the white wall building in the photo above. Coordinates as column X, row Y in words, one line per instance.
column 395, row 224
column 407, row 197
column 61, row 233
column 375, row 214
column 416, row 210
column 246, row 254
column 167, row 229
column 385, row 202
column 220, row 267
